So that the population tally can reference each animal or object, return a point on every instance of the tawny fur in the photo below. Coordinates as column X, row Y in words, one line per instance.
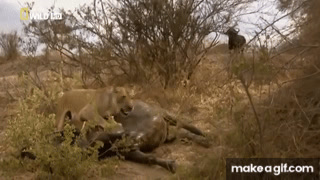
column 92, row 106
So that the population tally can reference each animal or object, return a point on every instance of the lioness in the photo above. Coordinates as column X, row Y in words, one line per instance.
column 91, row 106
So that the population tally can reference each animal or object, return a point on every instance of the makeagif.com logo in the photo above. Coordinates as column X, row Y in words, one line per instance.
column 26, row 14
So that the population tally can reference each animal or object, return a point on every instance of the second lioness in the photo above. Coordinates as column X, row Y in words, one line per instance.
column 91, row 105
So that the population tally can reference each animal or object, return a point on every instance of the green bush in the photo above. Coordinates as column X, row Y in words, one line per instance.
column 32, row 131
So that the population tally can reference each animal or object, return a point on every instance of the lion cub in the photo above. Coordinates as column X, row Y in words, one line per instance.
column 92, row 106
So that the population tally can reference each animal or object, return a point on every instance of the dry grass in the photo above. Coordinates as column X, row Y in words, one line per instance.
column 284, row 91
column 288, row 114
column 217, row 103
